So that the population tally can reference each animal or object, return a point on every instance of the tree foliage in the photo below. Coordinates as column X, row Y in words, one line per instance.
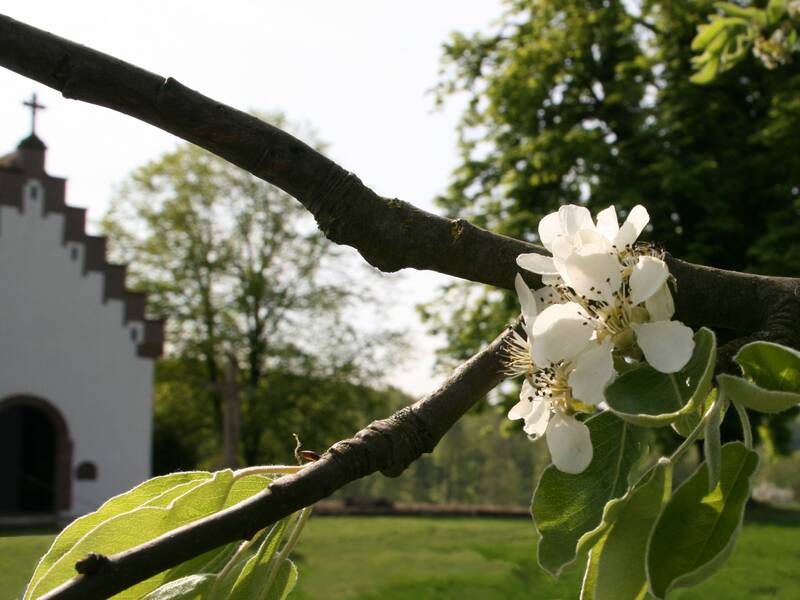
column 600, row 275
column 247, row 284
column 591, row 102
column 769, row 33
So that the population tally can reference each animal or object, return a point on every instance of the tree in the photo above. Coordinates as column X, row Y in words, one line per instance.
column 247, row 284
column 591, row 102
column 392, row 234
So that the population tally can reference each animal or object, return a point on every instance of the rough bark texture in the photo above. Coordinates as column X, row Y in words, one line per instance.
column 390, row 234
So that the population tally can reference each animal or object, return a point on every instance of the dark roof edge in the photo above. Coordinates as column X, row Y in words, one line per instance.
column 114, row 276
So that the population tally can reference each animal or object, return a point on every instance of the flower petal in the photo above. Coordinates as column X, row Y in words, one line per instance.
column 607, row 223
column 562, row 247
column 526, row 402
column 589, row 241
column 527, row 300
column 667, row 345
column 593, row 370
column 560, row 332
column 625, row 237
column 648, row 276
column 546, row 296
column 639, row 218
column 660, row 305
column 574, row 218
column 551, row 280
column 549, row 228
column 520, row 410
column 596, row 276
column 632, row 227
column 569, row 443
column 537, row 263
column 537, row 419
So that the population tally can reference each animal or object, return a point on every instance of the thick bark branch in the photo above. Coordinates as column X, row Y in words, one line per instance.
column 390, row 234
column 782, row 327
column 389, row 446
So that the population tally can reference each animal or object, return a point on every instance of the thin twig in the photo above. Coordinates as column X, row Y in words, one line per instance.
column 388, row 446
column 389, row 234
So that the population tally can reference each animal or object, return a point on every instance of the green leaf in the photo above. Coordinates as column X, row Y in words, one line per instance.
column 773, row 378
column 650, row 398
column 566, row 506
column 746, row 12
column 256, row 570
column 284, row 582
column 590, row 575
column 775, row 11
column 688, row 422
column 749, row 395
column 708, row 72
column 616, row 569
column 697, row 529
column 771, row 366
column 139, row 515
column 718, row 43
column 190, row 587
column 150, row 492
column 707, row 32
column 248, row 574
column 711, row 32
column 712, row 445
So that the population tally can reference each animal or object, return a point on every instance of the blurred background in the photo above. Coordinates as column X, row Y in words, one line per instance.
column 493, row 111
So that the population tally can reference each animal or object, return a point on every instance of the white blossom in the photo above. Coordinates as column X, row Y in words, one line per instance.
column 565, row 369
column 615, row 283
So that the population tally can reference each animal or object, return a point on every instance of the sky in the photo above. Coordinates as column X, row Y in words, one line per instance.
column 359, row 72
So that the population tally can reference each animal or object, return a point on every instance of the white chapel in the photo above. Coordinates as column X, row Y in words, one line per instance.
column 76, row 352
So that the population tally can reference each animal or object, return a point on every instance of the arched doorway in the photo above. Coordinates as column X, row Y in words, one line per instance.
column 35, row 456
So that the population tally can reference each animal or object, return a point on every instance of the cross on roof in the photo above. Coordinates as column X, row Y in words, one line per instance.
column 34, row 106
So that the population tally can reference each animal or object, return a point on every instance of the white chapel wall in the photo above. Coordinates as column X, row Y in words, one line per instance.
column 59, row 341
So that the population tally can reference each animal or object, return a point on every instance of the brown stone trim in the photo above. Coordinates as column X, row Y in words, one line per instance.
column 12, row 180
column 74, row 224
column 135, row 303
column 62, row 461
column 153, row 345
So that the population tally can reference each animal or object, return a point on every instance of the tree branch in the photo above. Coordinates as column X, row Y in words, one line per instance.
column 390, row 234
column 389, row 446
column 781, row 327
column 346, row 210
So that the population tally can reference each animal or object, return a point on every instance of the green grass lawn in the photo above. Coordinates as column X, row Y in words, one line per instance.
column 386, row 558
column 19, row 553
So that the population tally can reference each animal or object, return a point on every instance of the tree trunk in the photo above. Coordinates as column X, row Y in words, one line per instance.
column 231, row 417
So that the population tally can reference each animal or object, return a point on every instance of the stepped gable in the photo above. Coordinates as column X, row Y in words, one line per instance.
column 27, row 163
